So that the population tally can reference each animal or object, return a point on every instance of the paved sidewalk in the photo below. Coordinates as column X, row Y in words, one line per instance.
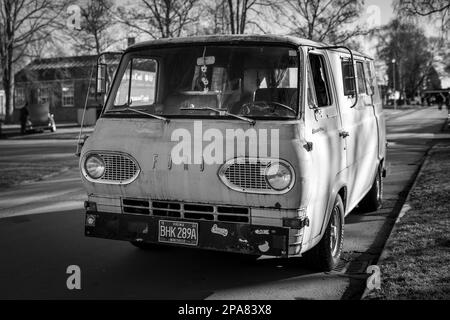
column 63, row 131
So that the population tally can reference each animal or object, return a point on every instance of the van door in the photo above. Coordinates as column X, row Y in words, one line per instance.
column 323, row 127
column 362, row 141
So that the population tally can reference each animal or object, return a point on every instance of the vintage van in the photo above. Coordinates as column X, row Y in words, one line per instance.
column 259, row 145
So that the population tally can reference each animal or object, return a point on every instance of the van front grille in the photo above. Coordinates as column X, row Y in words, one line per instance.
column 119, row 168
column 247, row 175
column 186, row 210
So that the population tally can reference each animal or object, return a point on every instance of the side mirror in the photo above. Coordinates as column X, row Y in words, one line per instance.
column 313, row 106
column 101, row 78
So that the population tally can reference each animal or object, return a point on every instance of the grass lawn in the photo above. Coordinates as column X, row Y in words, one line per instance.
column 14, row 173
column 418, row 261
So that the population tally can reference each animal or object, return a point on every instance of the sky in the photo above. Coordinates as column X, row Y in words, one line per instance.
column 385, row 9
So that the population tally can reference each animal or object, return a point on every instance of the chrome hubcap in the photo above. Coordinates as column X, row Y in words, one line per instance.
column 335, row 231
column 379, row 188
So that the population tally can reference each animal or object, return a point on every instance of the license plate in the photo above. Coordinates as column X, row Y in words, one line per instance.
column 177, row 232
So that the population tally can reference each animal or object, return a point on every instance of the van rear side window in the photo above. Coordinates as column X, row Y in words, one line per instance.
column 348, row 76
column 319, row 75
column 362, row 89
column 370, row 79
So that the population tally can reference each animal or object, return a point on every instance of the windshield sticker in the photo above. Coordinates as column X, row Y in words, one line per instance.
column 264, row 247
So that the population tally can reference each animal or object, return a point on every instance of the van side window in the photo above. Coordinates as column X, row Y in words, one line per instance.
column 362, row 89
column 319, row 75
column 137, row 86
column 348, row 77
column 370, row 78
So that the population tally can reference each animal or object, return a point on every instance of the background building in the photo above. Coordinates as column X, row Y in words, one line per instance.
column 61, row 85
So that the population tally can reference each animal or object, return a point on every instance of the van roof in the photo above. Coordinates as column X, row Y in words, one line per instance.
column 229, row 39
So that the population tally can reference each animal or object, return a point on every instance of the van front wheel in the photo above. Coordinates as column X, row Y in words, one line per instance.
column 326, row 254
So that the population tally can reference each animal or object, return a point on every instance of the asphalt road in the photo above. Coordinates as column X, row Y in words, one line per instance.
column 42, row 233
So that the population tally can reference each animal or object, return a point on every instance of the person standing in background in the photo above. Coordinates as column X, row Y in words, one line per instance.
column 24, row 118
column 447, row 103
column 440, row 99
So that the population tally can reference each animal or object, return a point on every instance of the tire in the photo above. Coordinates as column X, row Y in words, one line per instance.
column 374, row 198
column 146, row 246
column 326, row 255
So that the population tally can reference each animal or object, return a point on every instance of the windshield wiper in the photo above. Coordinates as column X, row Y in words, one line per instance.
column 222, row 112
column 166, row 120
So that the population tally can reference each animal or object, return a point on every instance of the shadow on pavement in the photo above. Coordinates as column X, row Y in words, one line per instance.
column 40, row 247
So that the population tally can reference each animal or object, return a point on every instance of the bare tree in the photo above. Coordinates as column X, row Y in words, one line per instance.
column 433, row 9
column 215, row 18
column 160, row 18
column 245, row 13
column 413, row 52
column 235, row 16
column 323, row 20
column 436, row 11
column 424, row 7
column 238, row 14
column 97, row 19
column 22, row 23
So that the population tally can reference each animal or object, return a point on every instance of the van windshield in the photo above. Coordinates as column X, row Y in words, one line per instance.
column 208, row 81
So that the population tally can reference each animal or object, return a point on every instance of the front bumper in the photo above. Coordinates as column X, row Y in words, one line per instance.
column 239, row 238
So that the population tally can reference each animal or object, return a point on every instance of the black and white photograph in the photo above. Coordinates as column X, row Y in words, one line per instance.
column 225, row 155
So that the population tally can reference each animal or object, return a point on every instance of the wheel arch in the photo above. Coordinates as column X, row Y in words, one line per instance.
column 339, row 190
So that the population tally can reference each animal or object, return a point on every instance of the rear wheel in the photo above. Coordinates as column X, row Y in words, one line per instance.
column 327, row 253
column 374, row 198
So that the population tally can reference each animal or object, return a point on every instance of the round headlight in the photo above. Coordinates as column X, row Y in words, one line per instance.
column 279, row 176
column 95, row 167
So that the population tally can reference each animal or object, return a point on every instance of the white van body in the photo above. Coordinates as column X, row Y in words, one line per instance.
column 333, row 150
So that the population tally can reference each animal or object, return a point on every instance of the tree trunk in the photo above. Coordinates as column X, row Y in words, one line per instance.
column 7, row 59
column 8, row 87
column 231, row 13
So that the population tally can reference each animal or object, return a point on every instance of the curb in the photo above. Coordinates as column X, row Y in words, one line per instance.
column 403, row 211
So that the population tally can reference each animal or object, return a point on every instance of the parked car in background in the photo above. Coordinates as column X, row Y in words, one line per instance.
column 39, row 118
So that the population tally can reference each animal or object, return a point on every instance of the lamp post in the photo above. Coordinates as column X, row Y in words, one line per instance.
column 395, row 87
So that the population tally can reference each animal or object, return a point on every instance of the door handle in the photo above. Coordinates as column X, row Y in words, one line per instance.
column 344, row 134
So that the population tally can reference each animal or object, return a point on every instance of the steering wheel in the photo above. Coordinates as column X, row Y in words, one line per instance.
column 246, row 108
